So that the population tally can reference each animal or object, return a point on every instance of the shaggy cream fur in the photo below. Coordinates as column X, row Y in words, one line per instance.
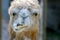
column 32, row 29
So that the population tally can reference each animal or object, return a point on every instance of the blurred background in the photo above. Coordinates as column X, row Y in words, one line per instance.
column 5, row 19
column 53, row 19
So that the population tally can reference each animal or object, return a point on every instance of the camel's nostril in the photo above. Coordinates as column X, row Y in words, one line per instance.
column 19, row 24
column 16, row 29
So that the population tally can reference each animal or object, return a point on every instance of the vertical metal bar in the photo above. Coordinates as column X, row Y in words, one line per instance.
column 0, row 19
column 43, row 20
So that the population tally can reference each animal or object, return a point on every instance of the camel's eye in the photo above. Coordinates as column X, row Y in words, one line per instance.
column 14, row 14
column 35, row 14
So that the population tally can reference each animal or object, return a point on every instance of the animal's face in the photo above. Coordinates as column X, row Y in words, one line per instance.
column 23, row 19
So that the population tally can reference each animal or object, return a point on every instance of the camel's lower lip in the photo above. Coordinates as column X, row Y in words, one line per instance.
column 19, row 30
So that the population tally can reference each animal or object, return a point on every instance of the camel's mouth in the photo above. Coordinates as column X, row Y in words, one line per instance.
column 20, row 28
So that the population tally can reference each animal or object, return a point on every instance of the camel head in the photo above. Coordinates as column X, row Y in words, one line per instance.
column 24, row 15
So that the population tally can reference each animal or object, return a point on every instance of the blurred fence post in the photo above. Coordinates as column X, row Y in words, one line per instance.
column 43, row 20
column 0, row 19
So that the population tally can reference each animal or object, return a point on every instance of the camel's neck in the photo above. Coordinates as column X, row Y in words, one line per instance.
column 30, row 35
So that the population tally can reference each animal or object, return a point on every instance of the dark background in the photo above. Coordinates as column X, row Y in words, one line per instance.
column 53, row 20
